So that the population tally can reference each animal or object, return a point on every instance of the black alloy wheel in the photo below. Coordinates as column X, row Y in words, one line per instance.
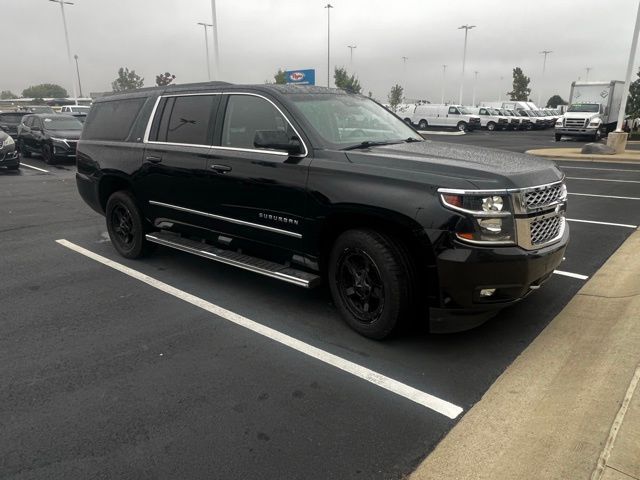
column 371, row 282
column 23, row 150
column 126, row 226
column 47, row 155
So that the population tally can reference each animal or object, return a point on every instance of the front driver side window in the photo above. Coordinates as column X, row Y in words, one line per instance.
column 247, row 114
column 453, row 111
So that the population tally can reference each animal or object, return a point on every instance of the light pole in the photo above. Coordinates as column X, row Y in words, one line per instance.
column 206, row 46
column 328, row 6
column 475, row 82
column 78, row 72
column 627, row 81
column 464, row 56
column 66, row 37
column 444, row 75
column 214, row 27
column 588, row 69
column 351, row 47
column 500, row 90
column 404, row 71
column 544, row 67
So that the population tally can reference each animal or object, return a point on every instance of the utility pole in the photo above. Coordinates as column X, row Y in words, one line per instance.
column 627, row 81
column 351, row 47
column 464, row 56
column 444, row 76
column 404, row 71
column 214, row 27
column 544, row 67
column 500, row 90
column 475, row 82
column 206, row 47
column 66, row 37
column 78, row 72
column 588, row 69
column 328, row 6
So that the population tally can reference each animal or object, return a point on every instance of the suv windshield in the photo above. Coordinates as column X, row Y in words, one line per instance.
column 348, row 119
column 584, row 107
column 41, row 109
column 62, row 123
column 464, row 111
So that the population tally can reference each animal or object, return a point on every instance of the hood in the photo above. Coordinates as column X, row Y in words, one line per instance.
column 581, row 115
column 66, row 134
column 483, row 168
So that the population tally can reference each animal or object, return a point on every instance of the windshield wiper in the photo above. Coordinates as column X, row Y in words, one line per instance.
column 411, row 140
column 369, row 143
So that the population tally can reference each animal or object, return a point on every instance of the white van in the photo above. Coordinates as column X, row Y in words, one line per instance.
column 454, row 116
column 490, row 118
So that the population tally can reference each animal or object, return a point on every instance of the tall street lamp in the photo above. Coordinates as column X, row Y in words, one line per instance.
column 627, row 81
column 206, row 46
column 78, row 72
column 464, row 56
column 404, row 71
column 328, row 6
column 351, row 47
column 444, row 75
column 66, row 37
column 475, row 82
column 588, row 69
column 544, row 67
column 214, row 27
column 500, row 90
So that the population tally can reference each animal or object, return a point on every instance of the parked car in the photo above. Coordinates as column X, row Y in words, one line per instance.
column 273, row 179
column 489, row 118
column 454, row 116
column 9, row 122
column 52, row 136
column 515, row 120
column 71, row 109
column 9, row 158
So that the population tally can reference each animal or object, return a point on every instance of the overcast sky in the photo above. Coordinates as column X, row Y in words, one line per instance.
column 259, row 36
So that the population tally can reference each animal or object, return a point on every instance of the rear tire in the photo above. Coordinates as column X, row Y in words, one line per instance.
column 371, row 282
column 126, row 225
column 462, row 126
column 422, row 124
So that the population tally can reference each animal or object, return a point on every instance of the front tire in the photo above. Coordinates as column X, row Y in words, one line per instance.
column 491, row 126
column 23, row 150
column 462, row 126
column 126, row 225
column 47, row 155
column 370, row 282
column 558, row 137
column 422, row 124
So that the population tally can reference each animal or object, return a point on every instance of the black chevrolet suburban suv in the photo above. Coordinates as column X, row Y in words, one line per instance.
column 304, row 184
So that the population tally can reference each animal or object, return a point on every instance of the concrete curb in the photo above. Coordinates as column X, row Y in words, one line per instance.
column 573, row 154
column 551, row 414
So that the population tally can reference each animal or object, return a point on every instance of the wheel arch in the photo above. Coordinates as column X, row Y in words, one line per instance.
column 109, row 184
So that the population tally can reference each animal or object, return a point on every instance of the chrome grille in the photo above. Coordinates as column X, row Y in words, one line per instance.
column 546, row 229
column 575, row 122
column 543, row 196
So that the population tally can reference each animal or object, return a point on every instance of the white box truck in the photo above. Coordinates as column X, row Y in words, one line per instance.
column 593, row 110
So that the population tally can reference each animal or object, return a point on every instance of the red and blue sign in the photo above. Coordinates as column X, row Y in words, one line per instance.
column 301, row 77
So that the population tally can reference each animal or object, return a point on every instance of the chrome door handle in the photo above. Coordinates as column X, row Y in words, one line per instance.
column 153, row 159
column 221, row 168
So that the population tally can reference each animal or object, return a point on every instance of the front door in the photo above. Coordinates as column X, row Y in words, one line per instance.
column 260, row 194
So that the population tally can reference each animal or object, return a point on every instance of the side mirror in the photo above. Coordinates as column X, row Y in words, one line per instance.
column 277, row 140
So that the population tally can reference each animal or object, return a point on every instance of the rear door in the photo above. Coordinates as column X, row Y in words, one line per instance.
column 172, row 181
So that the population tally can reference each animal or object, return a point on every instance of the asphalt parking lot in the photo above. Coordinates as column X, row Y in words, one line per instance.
column 109, row 374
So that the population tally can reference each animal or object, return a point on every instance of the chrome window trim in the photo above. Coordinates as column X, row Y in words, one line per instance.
column 147, row 131
column 227, row 219
column 458, row 191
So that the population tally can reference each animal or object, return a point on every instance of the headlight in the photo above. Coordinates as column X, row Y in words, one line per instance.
column 486, row 216
column 558, row 123
column 62, row 141
column 8, row 141
column 595, row 122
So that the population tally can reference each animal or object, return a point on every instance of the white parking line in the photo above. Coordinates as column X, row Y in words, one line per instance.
column 22, row 164
column 603, row 169
column 422, row 398
column 603, row 180
column 603, row 196
column 603, row 223
column 572, row 275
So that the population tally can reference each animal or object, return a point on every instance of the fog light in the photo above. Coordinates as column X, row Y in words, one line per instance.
column 487, row 292
column 493, row 225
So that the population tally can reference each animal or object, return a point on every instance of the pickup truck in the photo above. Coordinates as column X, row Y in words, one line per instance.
column 306, row 185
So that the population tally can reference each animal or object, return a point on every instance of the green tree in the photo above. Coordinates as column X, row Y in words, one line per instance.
column 554, row 101
column 127, row 80
column 345, row 82
column 164, row 79
column 45, row 90
column 7, row 95
column 395, row 97
column 521, row 88
column 280, row 77
column 633, row 100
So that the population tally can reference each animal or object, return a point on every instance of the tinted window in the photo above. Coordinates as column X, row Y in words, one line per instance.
column 112, row 120
column 453, row 110
column 11, row 118
column 62, row 122
column 185, row 119
column 247, row 114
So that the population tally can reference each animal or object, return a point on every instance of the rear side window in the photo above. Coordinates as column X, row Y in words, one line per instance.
column 186, row 120
column 244, row 116
column 112, row 120
column 11, row 118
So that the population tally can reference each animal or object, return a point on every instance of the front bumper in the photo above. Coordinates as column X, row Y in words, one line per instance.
column 575, row 131
column 9, row 158
column 64, row 149
column 464, row 270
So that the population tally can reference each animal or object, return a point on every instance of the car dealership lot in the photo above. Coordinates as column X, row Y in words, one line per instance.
column 109, row 375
